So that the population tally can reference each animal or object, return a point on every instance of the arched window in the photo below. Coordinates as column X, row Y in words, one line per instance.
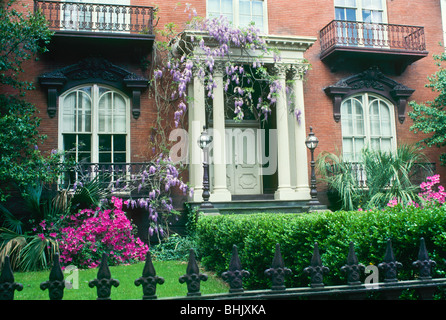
column 94, row 125
column 367, row 120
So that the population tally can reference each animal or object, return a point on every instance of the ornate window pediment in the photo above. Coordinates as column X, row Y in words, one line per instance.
column 374, row 81
column 93, row 70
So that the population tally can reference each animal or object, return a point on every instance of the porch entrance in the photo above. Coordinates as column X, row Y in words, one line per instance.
column 243, row 150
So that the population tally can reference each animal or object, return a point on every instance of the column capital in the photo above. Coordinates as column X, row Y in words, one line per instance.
column 296, row 71
column 219, row 68
column 279, row 70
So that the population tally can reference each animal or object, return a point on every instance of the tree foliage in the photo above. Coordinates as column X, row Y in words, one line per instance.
column 430, row 117
column 23, row 35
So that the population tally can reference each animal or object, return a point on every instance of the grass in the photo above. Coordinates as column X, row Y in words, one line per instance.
column 169, row 270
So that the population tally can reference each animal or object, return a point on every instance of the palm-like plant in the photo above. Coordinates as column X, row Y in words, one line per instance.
column 29, row 250
column 387, row 176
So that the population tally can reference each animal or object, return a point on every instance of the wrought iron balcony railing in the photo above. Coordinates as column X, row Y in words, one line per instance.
column 114, row 176
column 362, row 36
column 64, row 16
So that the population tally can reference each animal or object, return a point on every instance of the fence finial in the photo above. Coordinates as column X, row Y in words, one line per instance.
column 193, row 277
column 316, row 270
column 353, row 268
column 390, row 265
column 56, row 282
column 104, row 281
column 424, row 264
column 149, row 279
column 234, row 276
column 278, row 272
column 7, row 284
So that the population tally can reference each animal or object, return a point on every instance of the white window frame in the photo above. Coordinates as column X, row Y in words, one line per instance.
column 367, row 98
column 359, row 8
column 236, row 14
column 95, row 120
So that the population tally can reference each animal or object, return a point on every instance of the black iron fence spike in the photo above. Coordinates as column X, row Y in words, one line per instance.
column 424, row 264
column 278, row 272
column 7, row 284
column 234, row 276
column 56, row 282
column 104, row 281
column 390, row 266
column 316, row 270
column 353, row 268
column 193, row 277
column 149, row 279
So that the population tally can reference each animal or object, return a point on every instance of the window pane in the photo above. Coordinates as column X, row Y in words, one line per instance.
column 257, row 8
column 83, row 112
column 385, row 120
column 105, row 157
column 69, row 142
column 119, row 157
column 347, row 148
column 386, row 145
column 105, row 142
column 119, row 118
column 119, row 143
column 69, row 113
column 105, row 112
column 84, row 142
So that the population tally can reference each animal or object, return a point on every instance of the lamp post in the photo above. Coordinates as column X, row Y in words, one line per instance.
column 311, row 142
column 204, row 141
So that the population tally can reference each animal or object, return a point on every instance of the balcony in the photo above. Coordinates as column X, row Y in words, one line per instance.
column 350, row 43
column 112, row 176
column 97, row 21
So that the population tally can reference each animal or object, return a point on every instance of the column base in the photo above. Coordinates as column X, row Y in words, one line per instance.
column 220, row 195
column 285, row 194
column 302, row 193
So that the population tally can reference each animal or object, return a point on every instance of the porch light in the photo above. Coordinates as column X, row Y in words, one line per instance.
column 204, row 141
column 311, row 142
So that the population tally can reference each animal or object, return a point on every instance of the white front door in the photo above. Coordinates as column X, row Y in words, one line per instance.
column 243, row 170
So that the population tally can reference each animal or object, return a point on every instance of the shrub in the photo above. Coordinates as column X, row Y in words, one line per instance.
column 90, row 233
column 256, row 235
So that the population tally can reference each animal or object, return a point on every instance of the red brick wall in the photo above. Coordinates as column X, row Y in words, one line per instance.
column 300, row 18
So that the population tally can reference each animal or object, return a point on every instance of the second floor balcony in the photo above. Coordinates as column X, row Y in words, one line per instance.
column 98, row 20
column 349, row 41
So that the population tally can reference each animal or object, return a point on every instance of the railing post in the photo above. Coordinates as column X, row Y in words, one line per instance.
column 149, row 279
column 104, row 281
column 424, row 265
column 56, row 282
column 352, row 268
column 278, row 272
column 193, row 277
column 7, row 284
column 316, row 270
column 234, row 276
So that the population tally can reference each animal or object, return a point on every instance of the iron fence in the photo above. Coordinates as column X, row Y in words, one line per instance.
column 390, row 288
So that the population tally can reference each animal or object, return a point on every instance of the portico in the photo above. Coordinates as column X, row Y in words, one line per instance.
column 239, row 170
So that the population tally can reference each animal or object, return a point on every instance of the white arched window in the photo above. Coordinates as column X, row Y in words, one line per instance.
column 94, row 125
column 367, row 120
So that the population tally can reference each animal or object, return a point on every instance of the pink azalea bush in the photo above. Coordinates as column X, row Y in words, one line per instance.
column 431, row 193
column 89, row 233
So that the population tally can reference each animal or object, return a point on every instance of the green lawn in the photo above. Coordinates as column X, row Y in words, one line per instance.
column 169, row 270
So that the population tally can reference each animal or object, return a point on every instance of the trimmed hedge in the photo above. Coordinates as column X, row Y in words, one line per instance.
column 257, row 234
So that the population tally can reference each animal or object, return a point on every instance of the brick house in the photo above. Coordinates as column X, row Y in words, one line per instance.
column 368, row 59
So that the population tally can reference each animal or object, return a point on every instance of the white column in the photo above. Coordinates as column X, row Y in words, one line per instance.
column 302, row 188
column 197, row 119
column 220, row 190
column 284, row 190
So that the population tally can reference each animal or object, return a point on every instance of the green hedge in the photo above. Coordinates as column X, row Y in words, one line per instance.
column 256, row 235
